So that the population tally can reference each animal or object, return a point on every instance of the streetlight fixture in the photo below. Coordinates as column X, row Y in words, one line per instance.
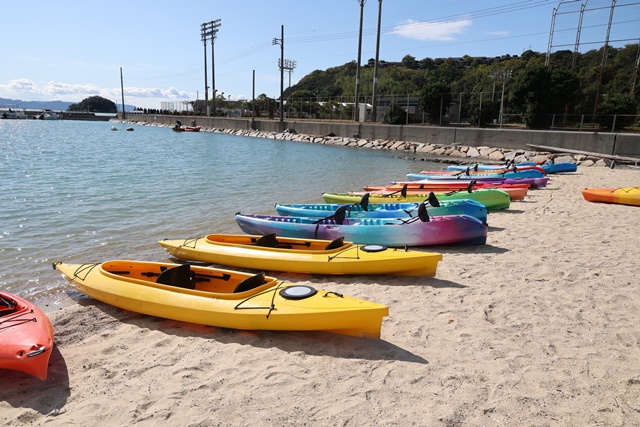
column 208, row 31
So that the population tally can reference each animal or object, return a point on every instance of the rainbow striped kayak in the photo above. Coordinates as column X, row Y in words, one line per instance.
column 438, row 230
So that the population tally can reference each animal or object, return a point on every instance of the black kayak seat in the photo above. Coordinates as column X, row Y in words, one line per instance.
column 335, row 244
column 268, row 241
column 181, row 277
column 250, row 283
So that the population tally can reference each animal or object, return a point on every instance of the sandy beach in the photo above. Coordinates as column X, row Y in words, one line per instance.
column 540, row 327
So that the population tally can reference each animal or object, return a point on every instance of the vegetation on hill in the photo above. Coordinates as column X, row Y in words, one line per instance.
column 568, row 84
column 94, row 104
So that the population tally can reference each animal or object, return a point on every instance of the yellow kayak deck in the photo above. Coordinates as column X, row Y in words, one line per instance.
column 223, row 298
column 307, row 256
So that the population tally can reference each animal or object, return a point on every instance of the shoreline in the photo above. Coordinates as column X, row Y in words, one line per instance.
column 451, row 154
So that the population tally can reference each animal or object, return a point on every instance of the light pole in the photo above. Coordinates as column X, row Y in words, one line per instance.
column 280, row 41
column 209, row 30
column 374, row 109
column 505, row 74
column 357, row 100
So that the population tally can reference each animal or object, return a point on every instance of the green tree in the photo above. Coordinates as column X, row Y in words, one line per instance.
column 434, row 96
column 541, row 91
column 94, row 104
column 395, row 115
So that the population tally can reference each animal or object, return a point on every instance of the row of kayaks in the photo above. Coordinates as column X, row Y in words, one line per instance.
column 362, row 234
column 358, row 233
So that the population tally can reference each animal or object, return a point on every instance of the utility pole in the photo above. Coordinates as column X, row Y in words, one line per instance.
column 122, row 91
column 605, row 53
column 374, row 109
column 357, row 100
column 214, row 25
column 203, row 37
column 280, row 41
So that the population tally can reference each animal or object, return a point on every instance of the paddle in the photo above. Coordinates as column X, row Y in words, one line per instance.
column 433, row 200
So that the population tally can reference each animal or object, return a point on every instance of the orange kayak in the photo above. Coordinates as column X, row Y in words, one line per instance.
column 515, row 191
column 623, row 196
column 26, row 337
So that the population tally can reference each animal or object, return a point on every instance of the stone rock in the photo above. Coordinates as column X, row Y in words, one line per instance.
column 562, row 159
column 496, row 155
column 473, row 152
column 587, row 163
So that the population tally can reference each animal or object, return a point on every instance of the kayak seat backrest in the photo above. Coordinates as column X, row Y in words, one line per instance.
column 268, row 241
column 250, row 283
column 335, row 244
column 181, row 277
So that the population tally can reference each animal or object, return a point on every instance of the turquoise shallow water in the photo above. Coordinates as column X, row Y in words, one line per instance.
column 78, row 192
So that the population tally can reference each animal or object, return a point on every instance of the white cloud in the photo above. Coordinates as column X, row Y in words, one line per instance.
column 54, row 90
column 499, row 33
column 433, row 31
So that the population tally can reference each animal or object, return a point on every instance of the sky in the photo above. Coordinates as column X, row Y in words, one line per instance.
column 68, row 50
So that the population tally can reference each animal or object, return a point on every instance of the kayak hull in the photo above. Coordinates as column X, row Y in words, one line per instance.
column 306, row 256
column 492, row 199
column 26, row 337
column 622, row 196
column 386, row 210
column 217, row 300
column 440, row 230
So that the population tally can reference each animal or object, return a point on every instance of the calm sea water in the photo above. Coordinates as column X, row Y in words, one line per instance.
column 78, row 192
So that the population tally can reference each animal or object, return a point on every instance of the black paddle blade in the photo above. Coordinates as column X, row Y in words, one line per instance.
column 433, row 200
column 403, row 192
column 475, row 168
column 364, row 202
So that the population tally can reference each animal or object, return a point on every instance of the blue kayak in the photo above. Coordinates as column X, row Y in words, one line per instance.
column 531, row 173
column 548, row 167
column 386, row 210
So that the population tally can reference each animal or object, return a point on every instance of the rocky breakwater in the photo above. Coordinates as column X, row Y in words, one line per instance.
column 425, row 151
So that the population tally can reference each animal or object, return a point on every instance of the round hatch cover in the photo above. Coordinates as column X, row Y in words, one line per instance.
column 373, row 248
column 298, row 292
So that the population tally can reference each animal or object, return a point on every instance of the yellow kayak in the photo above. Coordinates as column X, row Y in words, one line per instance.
column 223, row 298
column 308, row 256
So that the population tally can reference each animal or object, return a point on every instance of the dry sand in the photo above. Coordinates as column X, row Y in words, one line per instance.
column 539, row 327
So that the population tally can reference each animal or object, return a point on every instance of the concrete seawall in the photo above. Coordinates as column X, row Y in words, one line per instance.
column 613, row 144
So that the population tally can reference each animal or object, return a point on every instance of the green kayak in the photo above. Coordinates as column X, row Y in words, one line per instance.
column 492, row 199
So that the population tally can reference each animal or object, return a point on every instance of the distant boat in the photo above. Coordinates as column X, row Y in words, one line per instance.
column 114, row 128
column 49, row 115
column 10, row 112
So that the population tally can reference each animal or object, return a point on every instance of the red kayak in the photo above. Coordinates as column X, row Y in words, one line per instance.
column 187, row 128
column 26, row 337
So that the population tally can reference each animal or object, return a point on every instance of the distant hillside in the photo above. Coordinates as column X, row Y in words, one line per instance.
column 46, row 105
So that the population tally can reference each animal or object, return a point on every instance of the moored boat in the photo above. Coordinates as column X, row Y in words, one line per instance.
column 492, row 199
column 622, row 196
column 307, row 256
column 223, row 298
column 26, row 336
